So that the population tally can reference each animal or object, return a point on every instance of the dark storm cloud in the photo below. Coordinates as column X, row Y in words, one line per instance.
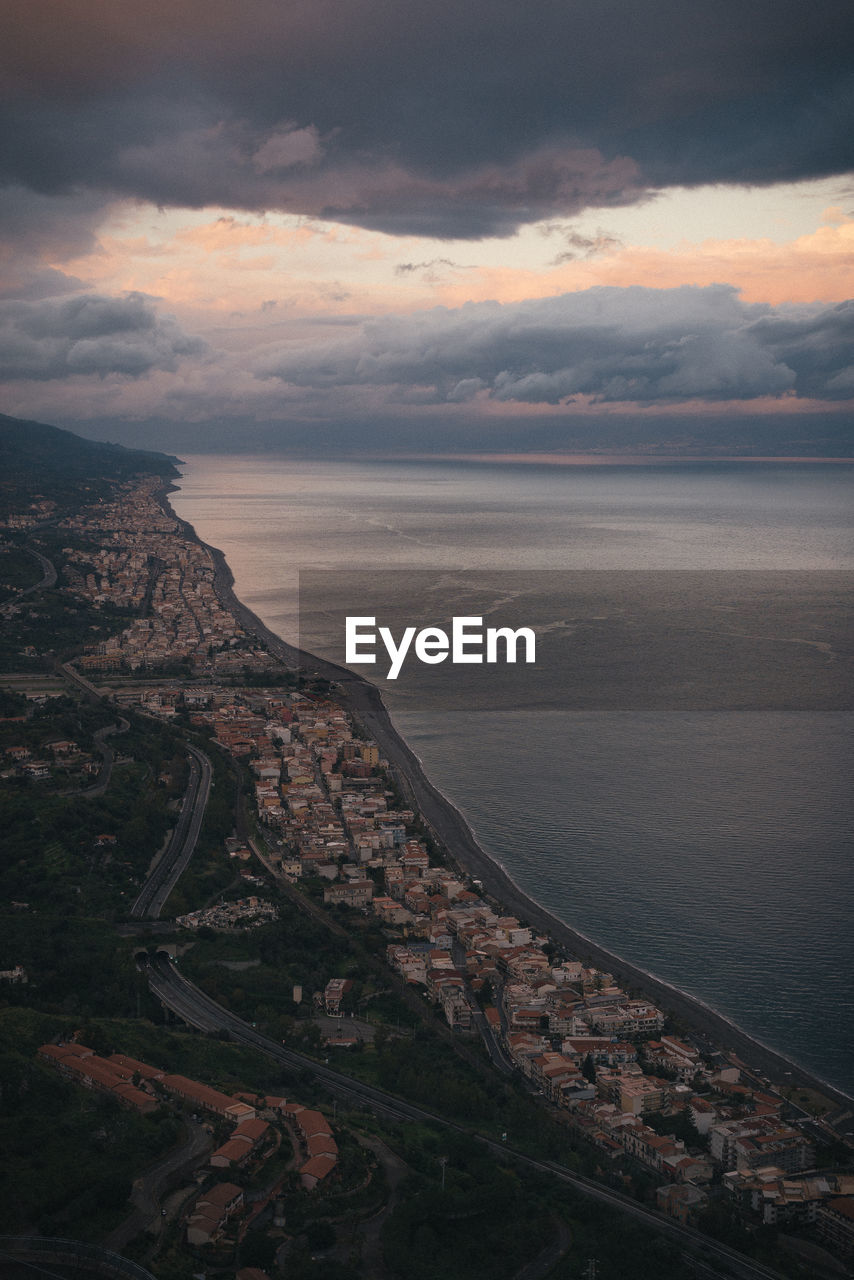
column 25, row 279
column 441, row 119
column 89, row 334
column 611, row 344
column 819, row 345
column 41, row 223
column 35, row 228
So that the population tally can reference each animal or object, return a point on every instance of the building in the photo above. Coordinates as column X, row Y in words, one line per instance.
column 835, row 1224
column 206, row 1098
column 352, row 893
column 81, row 1064
column 758, row 1141
column 317, row 1141
column 333, row 995
column 212, row 1211
column 682, row 1201
column 778, row 1199
column 241, row 1145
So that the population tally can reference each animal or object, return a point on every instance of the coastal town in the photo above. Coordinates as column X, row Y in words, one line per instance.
column 143, row 564
column 331, row 824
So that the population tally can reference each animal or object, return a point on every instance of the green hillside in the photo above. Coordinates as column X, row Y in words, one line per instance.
column 40, row 460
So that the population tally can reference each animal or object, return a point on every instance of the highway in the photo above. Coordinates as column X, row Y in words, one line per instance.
column 154, row 893
column 182, row 842
column 735, row 1264
column 82, row 683
column 48, row 580
column 191, row 1004
column 34, row 1252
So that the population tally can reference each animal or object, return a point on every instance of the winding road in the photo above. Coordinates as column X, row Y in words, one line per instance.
column 47, row 580
column 199, row 1010
column 108, row 759
column 148, row 1188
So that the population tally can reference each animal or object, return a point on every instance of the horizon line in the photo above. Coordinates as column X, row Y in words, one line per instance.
column 600, row 459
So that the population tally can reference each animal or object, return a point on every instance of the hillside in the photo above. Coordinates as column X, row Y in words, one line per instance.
column 40, row 460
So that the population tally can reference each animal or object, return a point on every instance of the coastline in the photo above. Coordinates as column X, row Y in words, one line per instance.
column 453, row 831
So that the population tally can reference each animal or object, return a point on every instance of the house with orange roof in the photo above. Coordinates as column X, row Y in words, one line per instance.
column 206, row 1098
column 212, row 1211
column 319, row 1144
column 80, row 1063
column 130, row 1067
column 315, row 1170
column 241, row 1144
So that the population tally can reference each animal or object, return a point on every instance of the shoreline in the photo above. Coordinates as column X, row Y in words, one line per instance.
column 454, row 833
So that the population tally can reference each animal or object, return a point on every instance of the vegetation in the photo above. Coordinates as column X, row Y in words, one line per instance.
column 18, row 570
column 56, row 625
column 485, row 1223
column 78, row 855
column 37, row 460
column 69, row 1155
column 71, row 865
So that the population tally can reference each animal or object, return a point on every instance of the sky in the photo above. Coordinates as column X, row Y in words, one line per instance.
column 428, row 227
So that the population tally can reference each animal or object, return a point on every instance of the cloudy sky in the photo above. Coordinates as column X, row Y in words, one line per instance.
column 391, row 226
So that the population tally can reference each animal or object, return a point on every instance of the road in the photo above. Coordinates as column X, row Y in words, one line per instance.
column 83, row 1258
column 82, row 683
column 162, row 881
column 192, row 1005
column 48, row 579
column 198, row 1010
column 148, row 1189
column 108, row 759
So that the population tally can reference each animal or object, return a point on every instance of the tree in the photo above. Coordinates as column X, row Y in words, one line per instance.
column 320, row 1235
column 257, row 1250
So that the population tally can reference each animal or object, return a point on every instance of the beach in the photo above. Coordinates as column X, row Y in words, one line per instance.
column 363, row 699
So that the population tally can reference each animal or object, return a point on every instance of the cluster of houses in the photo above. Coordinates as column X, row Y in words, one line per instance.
column 252, row 1139
column 316, row 788
column 588, row 1045
column 138, row 1084
column 142, row 557
column 15, row 976
column 243, row 913
column 824, row 1202
column 316, row 1161
column 317, row 1144
column 55, row 755
column 33, row 514
column 585, row 1043
column 741, row 1129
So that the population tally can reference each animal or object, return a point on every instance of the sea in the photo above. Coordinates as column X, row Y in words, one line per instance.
column 674, row 779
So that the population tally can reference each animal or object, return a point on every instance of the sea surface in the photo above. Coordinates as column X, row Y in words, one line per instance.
column 701, row 828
